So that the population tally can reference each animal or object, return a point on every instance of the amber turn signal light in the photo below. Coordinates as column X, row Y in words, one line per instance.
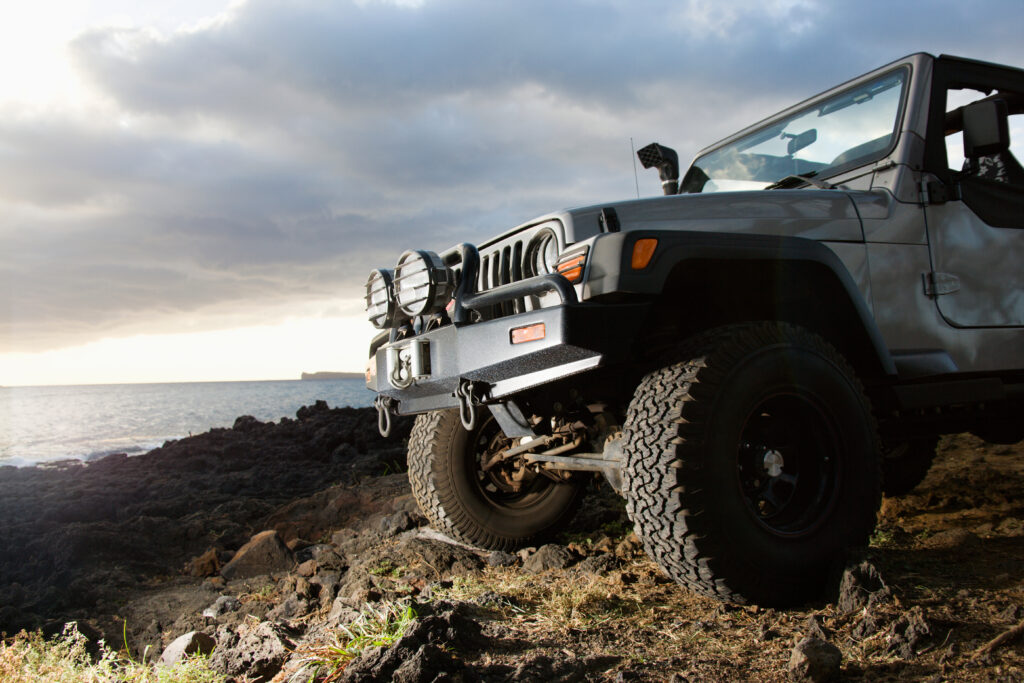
column 572, row 267
column 643, row 251
column 529, row 333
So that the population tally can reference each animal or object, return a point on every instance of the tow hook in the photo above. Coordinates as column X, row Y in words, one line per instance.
column 467, row 411
column 384, row 405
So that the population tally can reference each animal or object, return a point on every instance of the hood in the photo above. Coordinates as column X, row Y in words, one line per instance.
column 810, row 213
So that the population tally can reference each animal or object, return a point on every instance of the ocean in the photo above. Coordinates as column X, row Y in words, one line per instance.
column 46, row 424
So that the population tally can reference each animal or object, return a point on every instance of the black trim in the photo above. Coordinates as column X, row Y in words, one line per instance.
column 675, row 248
column 911, row 364
column 998, row 204
column 949, row 393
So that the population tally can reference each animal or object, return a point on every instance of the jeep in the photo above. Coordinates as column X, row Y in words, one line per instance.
column 752, row 358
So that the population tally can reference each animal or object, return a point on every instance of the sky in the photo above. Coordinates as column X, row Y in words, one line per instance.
column 197, row 190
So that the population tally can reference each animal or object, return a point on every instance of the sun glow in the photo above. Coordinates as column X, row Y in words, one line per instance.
column 280, row 351
column 36, row 72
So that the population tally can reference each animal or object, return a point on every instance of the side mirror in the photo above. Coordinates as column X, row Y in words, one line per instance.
column 986, row 128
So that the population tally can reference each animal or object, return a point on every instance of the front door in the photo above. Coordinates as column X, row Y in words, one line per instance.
column 977, row 240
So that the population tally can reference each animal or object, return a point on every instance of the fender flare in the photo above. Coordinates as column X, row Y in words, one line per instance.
column 610, row 271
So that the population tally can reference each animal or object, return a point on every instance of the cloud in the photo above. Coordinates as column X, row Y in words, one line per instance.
column 276, row 153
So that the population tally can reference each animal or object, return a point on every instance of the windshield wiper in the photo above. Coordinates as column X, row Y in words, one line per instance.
column 794, row 181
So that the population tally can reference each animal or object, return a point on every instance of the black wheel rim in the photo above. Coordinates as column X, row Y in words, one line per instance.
column 788, row 464
column 494, row 485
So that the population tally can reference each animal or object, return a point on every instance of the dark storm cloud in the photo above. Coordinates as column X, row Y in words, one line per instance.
column 277, row 154
column 375, row 57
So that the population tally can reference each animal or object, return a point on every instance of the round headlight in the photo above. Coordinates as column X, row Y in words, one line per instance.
column 422, row 283
column 380, row 302
column 542, row 254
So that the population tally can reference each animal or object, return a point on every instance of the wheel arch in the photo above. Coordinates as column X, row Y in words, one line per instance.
column 723, row 279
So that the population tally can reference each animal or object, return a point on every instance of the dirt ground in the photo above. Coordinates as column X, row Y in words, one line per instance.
column 951, row 552
column 950, row 555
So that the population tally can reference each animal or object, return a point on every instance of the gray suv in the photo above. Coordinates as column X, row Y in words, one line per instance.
column 750, row 360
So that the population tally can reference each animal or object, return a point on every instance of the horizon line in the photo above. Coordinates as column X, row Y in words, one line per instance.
column 185, row 381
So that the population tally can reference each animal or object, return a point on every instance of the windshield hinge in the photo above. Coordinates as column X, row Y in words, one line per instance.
column 609, row 220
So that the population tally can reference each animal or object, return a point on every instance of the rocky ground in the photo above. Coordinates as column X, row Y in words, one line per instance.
column 280, row 542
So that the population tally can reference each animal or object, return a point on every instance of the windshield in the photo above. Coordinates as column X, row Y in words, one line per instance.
column 851, row 127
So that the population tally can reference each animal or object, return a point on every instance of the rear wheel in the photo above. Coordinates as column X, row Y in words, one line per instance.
column 906, row 465
column 498, row 507
column 752, row 463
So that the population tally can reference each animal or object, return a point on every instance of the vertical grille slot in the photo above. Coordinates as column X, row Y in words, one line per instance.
column 517, row 262
column 505, row 277
column 519, row 305
column 503, row 265
column 505, row 273
column 484, row 280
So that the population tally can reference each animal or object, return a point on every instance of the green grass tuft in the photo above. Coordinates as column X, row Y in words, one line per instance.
column 375, row 627
column 30, row 658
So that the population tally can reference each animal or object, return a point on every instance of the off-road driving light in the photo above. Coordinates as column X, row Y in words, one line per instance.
column 380, row 302
column 422, row 283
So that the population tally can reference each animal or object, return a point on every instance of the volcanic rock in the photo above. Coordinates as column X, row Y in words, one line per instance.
column 257, row 650
column 223, row 605
column 263, row 554
column 861, row 584
column 550, row 556
column 187, row 644
column 813, row 659
column 207, row 564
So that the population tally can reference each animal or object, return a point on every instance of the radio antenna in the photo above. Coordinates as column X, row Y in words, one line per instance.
column 632, row 153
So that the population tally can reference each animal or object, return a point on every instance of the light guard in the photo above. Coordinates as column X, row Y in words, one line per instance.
column 380, row 300
column 423, row 284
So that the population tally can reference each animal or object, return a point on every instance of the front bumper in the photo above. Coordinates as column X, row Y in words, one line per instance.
column 577, row 337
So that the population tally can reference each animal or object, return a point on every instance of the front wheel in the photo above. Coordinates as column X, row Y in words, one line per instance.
column 752, row 463
column 497, row 507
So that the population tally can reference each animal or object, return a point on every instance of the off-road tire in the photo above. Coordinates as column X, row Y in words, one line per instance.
column 446, row 482
column 698, row 439
column 901, row 474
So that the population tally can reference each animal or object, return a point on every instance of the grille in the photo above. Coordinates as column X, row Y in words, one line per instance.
column 503, row 262
column 501, row 265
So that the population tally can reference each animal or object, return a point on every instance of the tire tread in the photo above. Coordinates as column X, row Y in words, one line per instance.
column 663, row 434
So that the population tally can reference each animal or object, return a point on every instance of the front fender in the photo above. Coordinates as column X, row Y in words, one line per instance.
column 610, row 272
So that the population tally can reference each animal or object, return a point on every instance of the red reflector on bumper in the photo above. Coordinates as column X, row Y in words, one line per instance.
column 528, row 333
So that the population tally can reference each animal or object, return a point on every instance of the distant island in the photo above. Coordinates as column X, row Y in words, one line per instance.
column 332, row 375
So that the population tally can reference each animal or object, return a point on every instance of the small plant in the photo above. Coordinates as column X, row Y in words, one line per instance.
column 882, row 537
column 387, row 568
column 264, row 594
column 617, row 528
column 375, row 627
column 394, row 467
column 28, row 657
